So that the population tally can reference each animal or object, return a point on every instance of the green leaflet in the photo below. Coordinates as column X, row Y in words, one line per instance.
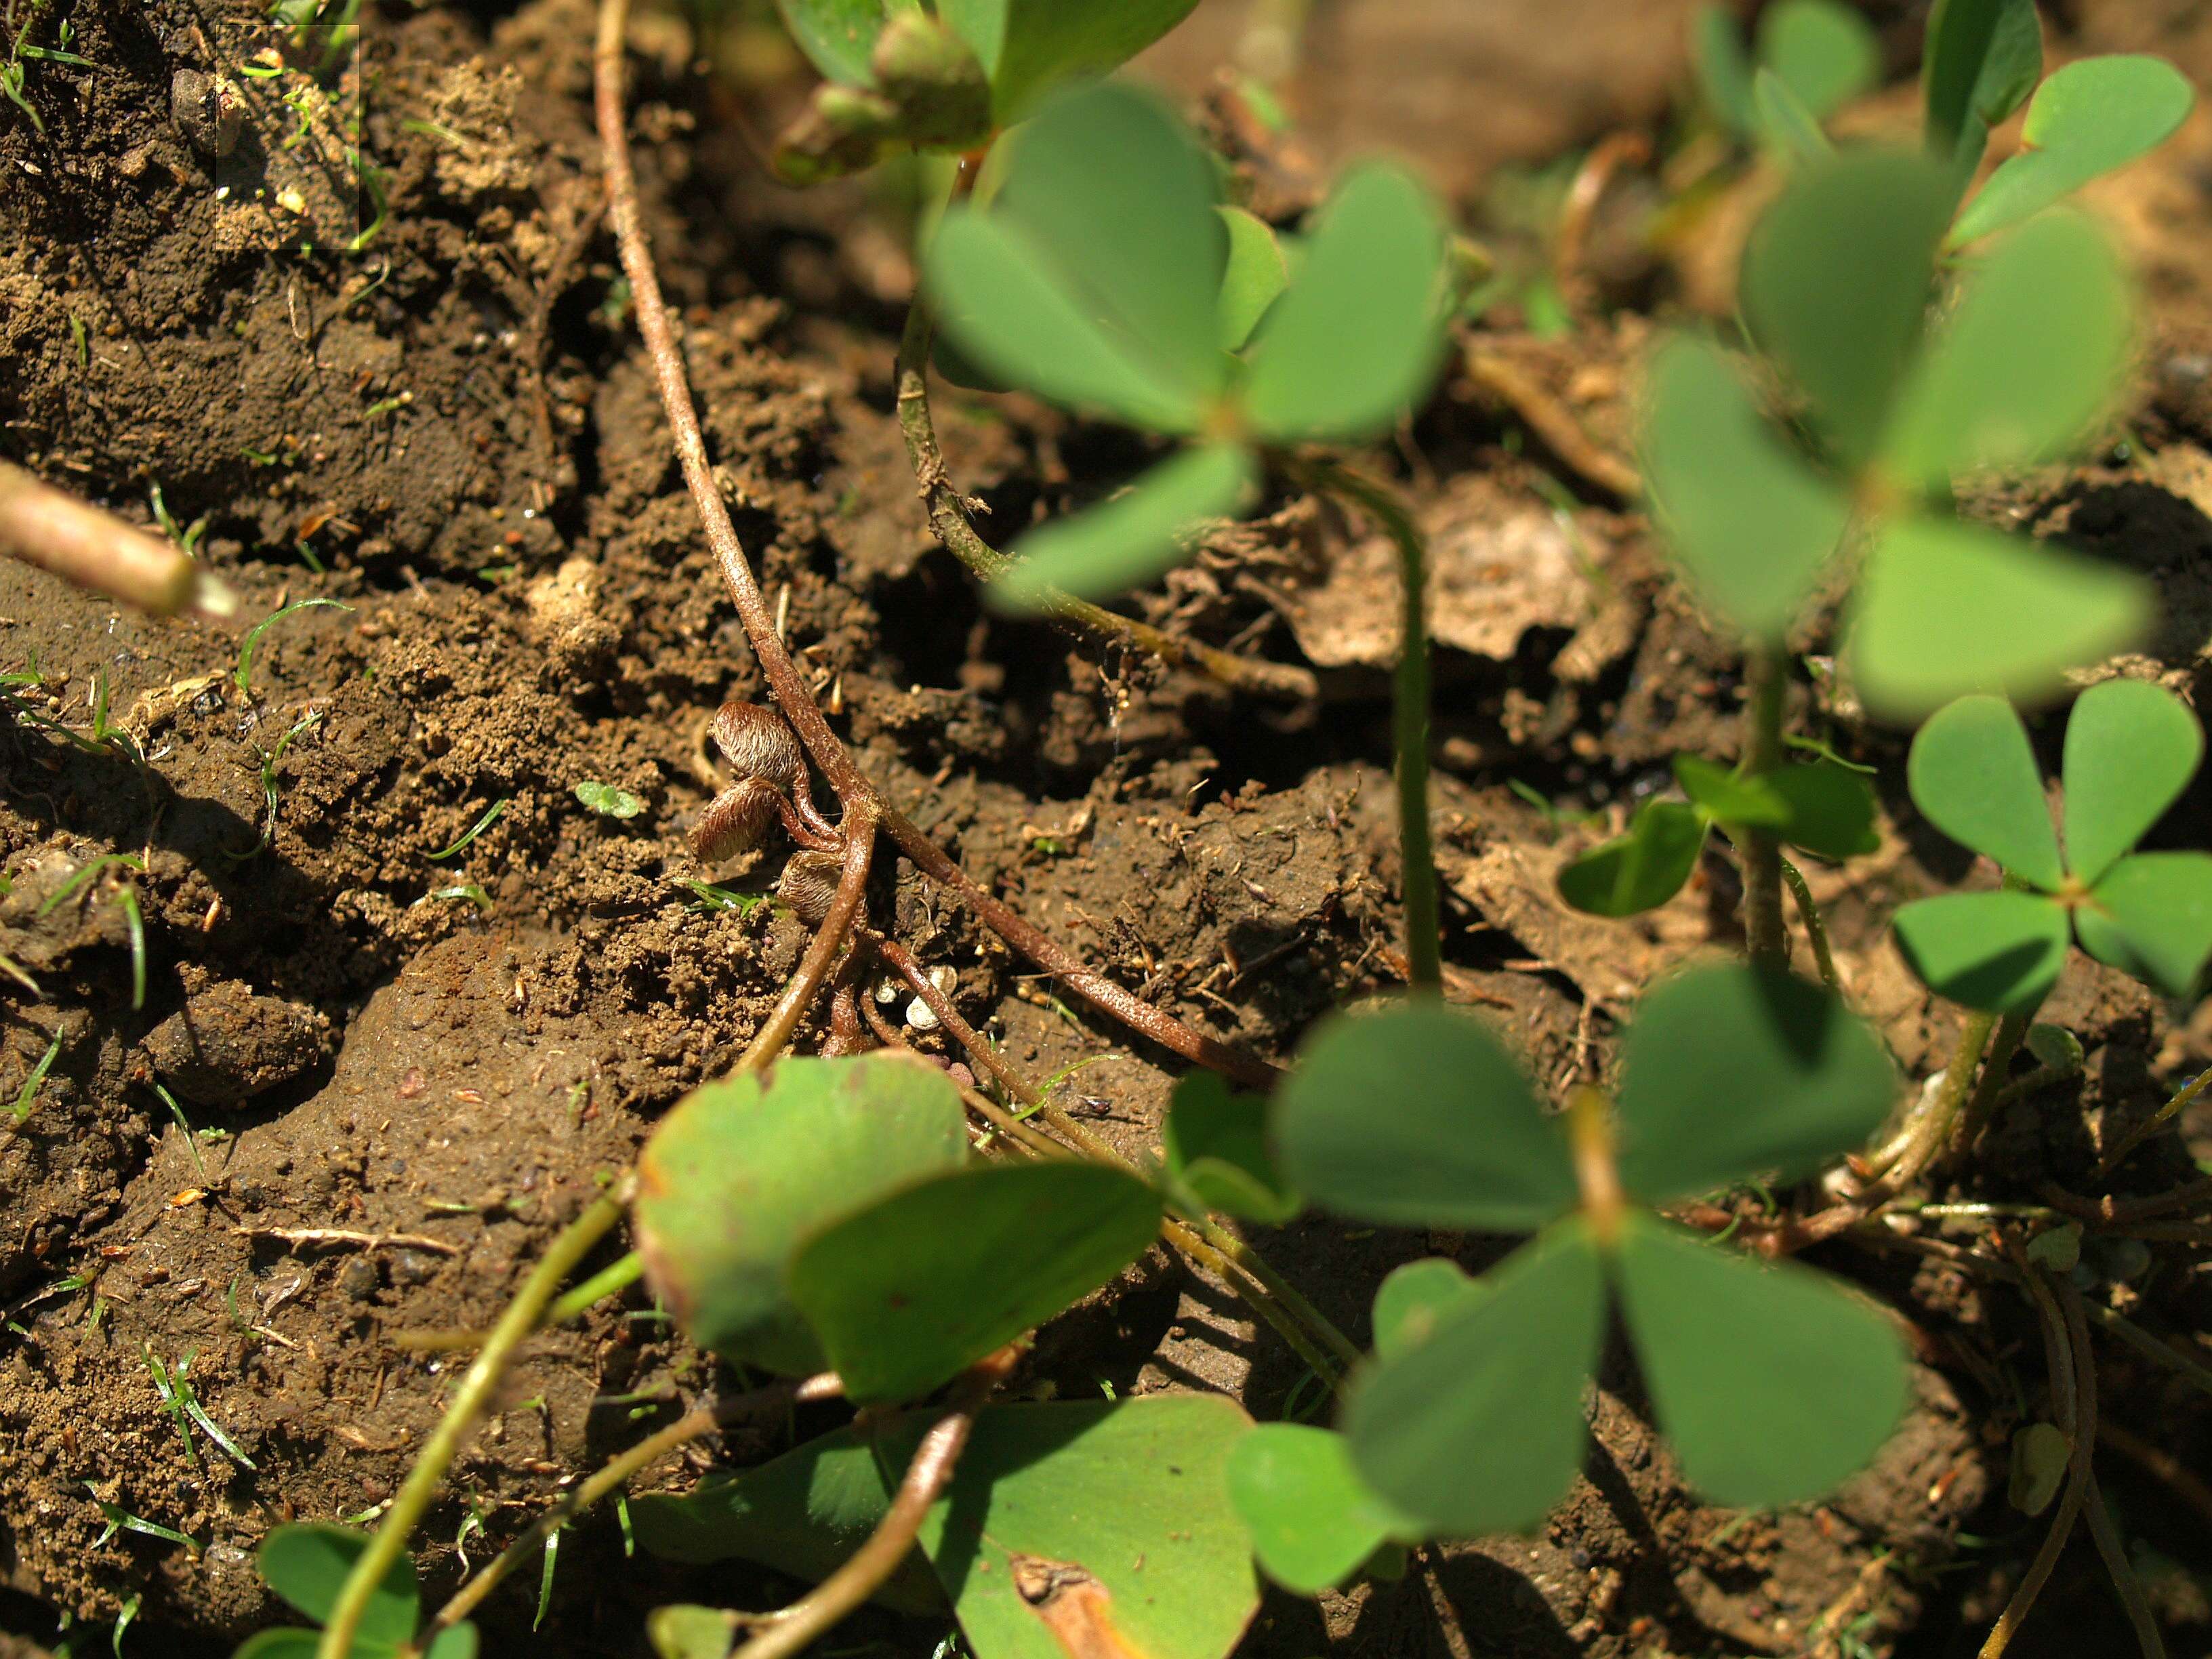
column 1773, row 1384
column 742, row 1172
column 1461, row 1143
column 2089, row 118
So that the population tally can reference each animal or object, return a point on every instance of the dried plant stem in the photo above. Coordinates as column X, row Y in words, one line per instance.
column 80, row 543
column 1816, row 931
column 617, row 1474
column 1928, row 1129
column 864, row 809
column 1551, row 421
column 863, row 1572
column 1409, row 716
column 1765, row 936
column 474, row 1393
column 948, row 518
column 2074, row 1401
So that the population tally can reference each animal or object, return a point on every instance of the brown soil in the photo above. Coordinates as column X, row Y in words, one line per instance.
column 435, row 1058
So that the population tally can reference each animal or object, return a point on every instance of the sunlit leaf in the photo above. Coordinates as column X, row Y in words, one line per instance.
column 307, row 1563
column 2091, row 116
column 454, row 1641
column 1092, row 1527
column 1641, row 870
column 1830, row 808
column 1479, row 1428
column 1313, row 1519
column 837, row 36
column 1824, row 51
column 1973, row 772
column 2151, row 916
column 1021, row 323
column 686, row 1630
column 1836, row 280
column 1414, row 1298
column 1216, row 1144
column 1027, row 46
column 2132, row 748
column 1996, row 951
column 1784, row 120
column 745, row 1169
column 1924, row 626
column 1254, row 278
column 1119, row 197
column 1416, row 1115
column 1772, row 1384
column 912, row 1289
column 1740, row 1071
column 803, row 1513
column 1980, row 61
column 1354, row 342
column 1749, row 525
column 1977, row 399
column 1127, row 539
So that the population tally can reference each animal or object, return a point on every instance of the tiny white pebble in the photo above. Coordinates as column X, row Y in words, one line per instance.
column 946, row 980
column 886, row 992
column 920, row 1016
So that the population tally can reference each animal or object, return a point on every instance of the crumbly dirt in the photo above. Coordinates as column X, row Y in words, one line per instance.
column 412, row 998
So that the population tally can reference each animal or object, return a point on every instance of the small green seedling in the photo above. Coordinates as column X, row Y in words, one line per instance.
column 608, row 801
column 900, row 77
column 244, row 676
column 306, row 1564
column 1772, row 1384
column 1215, row 1147
column 1835, row 288
column 1106, row 275
column 1821, row 806
column 1980, row 62
column 2131, row 749
column 491, row 816
column 1820, row 54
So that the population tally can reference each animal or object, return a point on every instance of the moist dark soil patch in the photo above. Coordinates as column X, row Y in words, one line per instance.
column 397, row 1073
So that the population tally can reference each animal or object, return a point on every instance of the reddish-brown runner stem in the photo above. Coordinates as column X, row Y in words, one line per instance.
column 864, row 809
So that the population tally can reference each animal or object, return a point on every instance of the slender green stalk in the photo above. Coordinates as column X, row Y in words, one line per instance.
column 2011, row 1032
column 1765, row 935
column 2151, row 1125
column 1816, row 931
column 619, row 1275
column 574, row 1242
column 617, row 1474
column 1409, row 716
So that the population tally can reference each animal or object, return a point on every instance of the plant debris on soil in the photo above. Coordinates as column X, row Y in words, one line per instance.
column 406, row 997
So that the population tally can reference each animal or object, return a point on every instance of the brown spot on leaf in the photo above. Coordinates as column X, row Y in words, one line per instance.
column 1073, row 1607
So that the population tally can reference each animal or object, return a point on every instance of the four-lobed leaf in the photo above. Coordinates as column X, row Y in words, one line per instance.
column 1470, row 1419
column 2130, row 749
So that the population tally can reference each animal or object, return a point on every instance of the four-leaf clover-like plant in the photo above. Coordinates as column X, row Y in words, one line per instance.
column 1772, row 1383
column 2131, row 749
